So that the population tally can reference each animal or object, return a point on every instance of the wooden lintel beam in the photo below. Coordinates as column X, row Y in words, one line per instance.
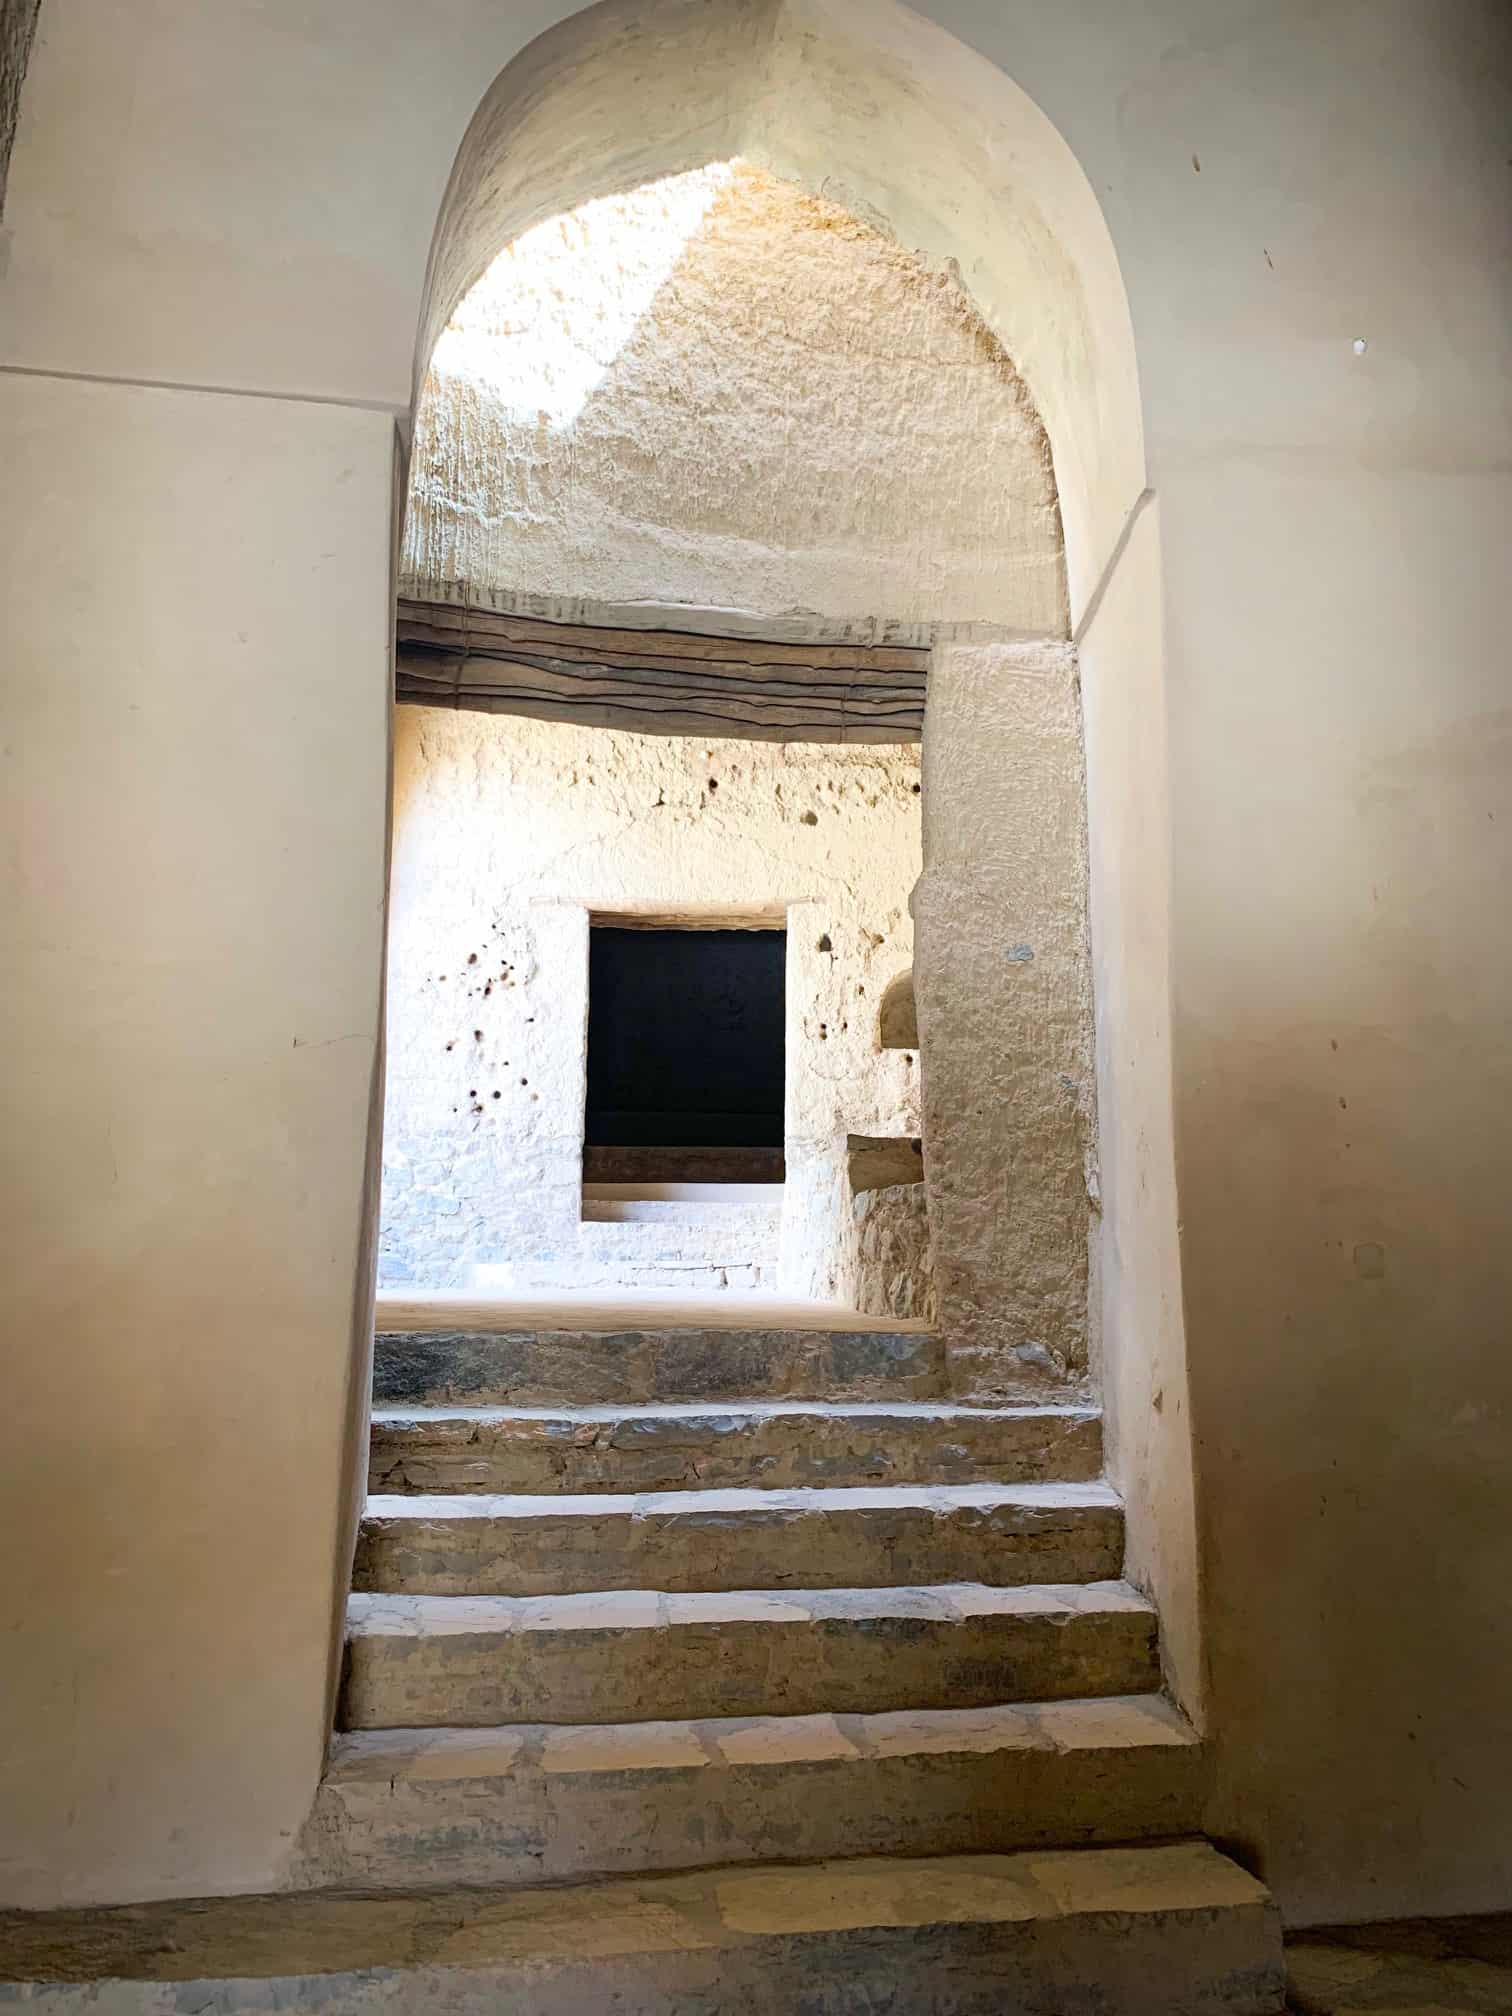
column 659, row 682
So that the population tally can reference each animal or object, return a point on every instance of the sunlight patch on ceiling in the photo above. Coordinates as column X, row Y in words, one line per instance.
column 543, row 327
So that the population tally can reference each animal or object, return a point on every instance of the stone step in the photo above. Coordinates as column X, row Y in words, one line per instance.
column 1167, row 1929
column 492, row 1544
column 638, row 1655
column 727, row 1236
column 583, row 1270
column 545, row 1368
column 534, row 1803
column 768, row 1443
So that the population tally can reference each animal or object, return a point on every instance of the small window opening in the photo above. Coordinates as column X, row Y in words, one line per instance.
column 686, row 1055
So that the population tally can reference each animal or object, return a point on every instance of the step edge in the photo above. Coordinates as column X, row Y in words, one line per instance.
column 603, row 1412
column 437, row 1756
column 901, row 1326
column 715, row 1910
column 385, row 1507
column 1050, row 1602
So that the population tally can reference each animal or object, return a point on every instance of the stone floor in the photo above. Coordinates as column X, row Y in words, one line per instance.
column 1412, row 1967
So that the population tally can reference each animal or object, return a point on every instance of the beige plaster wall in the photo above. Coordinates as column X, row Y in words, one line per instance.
column 244, row 199
column 192, row 918
column 1139, row 1341
column 718, row 392
column 508, row 834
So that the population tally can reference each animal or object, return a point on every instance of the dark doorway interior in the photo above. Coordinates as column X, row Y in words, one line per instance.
column 685, row 1050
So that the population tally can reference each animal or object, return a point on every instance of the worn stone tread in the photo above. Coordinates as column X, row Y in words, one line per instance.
column 539, row 1803
column 508, row 1368
column 766, row 1741
column 771, row 1443
column 1173, row 1929
column 646, row 1655
column 841, row 1536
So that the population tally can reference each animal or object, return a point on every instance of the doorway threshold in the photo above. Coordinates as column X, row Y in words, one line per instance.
column 452, row 1309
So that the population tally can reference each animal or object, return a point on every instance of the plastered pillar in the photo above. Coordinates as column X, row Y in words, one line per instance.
column 1004, row 1014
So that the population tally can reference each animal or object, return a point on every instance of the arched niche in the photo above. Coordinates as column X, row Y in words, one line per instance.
column 898, row 1017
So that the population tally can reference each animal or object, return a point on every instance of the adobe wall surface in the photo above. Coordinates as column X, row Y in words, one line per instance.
column 508, row 833
column 721, row 392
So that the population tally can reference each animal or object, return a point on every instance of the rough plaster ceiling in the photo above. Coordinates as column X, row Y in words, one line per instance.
column 720, row 393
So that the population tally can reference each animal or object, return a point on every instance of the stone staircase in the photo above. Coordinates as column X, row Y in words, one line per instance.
column 648, row 1600
column 693, row 1671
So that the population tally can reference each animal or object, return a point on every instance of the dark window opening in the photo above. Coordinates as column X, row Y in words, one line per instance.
column 686, row 1052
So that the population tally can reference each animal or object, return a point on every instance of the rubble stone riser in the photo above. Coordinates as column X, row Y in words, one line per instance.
column 590, row 1368
column 536, row 1827
column 863, row 1547
column 564, row 1452
column 805, row 1666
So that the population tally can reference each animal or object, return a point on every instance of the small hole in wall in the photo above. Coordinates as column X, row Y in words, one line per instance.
column 825, row 944
column 810, row 819
column 713, row 783
column 916, row 788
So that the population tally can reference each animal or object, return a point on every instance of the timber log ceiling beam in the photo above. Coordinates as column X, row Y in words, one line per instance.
column 658, row 682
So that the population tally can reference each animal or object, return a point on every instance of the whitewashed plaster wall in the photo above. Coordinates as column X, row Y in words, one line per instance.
column 507, row 834
column 720, row 392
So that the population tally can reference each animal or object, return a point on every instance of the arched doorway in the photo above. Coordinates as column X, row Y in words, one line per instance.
column 887, row 111
column 1015, row 1181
